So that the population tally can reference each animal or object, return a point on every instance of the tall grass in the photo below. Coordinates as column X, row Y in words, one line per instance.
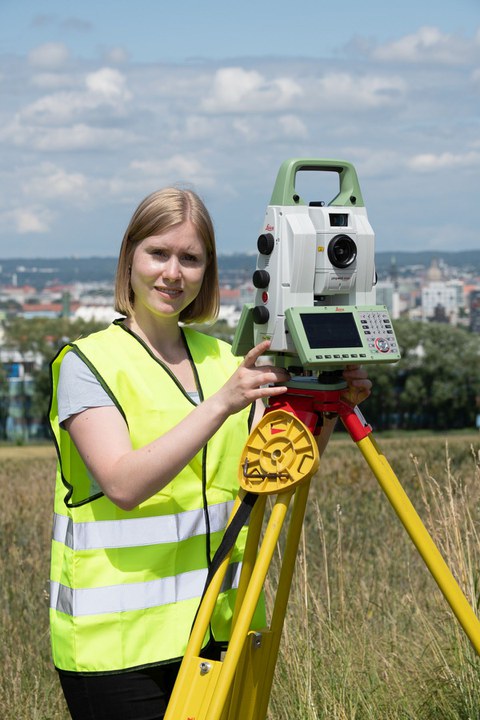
column 367, row 633
column 29, row 688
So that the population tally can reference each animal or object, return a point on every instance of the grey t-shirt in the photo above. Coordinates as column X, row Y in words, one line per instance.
column 79, row 389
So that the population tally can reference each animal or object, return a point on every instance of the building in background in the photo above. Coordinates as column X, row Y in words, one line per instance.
column 474, row 308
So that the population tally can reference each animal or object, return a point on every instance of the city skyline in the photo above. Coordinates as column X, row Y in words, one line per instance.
column 104, row 103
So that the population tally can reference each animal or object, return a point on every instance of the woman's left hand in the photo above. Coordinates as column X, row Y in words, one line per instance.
column 359, row 386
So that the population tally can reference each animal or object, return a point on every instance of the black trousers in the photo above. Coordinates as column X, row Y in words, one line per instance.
column 133, row 695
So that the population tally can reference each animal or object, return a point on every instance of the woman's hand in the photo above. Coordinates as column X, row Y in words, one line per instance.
column 359, row 386
column 252, row 381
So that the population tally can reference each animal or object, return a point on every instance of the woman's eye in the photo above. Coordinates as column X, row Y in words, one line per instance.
column 190, row 258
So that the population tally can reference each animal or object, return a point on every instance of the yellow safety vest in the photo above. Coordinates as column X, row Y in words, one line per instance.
column 125, row 585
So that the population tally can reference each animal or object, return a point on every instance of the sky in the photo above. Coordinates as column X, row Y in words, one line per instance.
column 102, row 103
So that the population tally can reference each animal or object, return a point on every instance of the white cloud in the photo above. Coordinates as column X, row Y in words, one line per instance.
column 238, row 90
column 52, row 80
column 64, row 139
column 429, row 162
column 111, row 133
column 32, row 219
column 116, row 56
column 261, row 129
column 428, row 44
column 375, row 161
column 104, row 89
column 108, row 84
column 49, row 56
column 52, row 182
column 293, row 126
column 348, row 90
column 198, row 127
column 174, row 169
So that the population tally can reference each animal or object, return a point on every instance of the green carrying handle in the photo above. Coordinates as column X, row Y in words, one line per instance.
column 284, row 190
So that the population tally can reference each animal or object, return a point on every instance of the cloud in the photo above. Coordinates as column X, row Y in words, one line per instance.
column 116, row 56
column 53, row 182
column 67, row 139
column 76, row 24
column 52, row 80
column 261, row 129
column 44, row 20
column 103, row 90
column 53, row 21
column 108, row 84
column 429, row 44
column 367, row 91
column 83, row 138
column 49, row 56
column 34, row 219
column 235, row 89
column 293, row 126
column 240, row 91
column 429, row 162
column 375, row 162
column 163, row 169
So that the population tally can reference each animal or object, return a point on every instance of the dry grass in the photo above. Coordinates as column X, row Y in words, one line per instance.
column 367, row 634
column 29, row 688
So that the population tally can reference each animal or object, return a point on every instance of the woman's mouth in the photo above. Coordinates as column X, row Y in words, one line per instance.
column 171, row 292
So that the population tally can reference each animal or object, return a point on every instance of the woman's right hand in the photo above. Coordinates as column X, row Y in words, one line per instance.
column 252, row 381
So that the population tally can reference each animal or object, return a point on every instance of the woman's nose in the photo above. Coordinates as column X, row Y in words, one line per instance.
column 171, row 269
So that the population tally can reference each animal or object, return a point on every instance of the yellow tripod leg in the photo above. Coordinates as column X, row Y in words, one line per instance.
column 421, row 539
column 203, row 687
column 281, row 599
column 197, row 677
column 279, row 456
column 243, row 622
column 254, row 675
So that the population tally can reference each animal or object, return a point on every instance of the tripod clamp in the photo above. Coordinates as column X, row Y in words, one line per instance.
column 311, row 400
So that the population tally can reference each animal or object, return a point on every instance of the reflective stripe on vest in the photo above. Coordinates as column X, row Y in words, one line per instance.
column 135, row 596
column 135, row 532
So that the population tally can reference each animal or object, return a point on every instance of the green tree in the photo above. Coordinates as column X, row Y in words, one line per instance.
column 436, row 382
column 3, row 401
column 45, row 335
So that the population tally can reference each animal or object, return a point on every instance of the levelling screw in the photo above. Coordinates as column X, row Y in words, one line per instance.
column 257, row 640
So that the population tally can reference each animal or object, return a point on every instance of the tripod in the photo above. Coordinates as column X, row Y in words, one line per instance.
column 279, row 459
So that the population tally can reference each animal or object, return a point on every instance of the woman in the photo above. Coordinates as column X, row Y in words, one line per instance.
column 150, row 418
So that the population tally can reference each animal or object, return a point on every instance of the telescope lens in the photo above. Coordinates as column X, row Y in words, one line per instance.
column 342, row 251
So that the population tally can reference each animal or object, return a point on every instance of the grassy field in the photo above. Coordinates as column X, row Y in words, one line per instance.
column 367, row 635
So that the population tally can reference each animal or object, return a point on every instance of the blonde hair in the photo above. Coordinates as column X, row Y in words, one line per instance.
column 158, row 212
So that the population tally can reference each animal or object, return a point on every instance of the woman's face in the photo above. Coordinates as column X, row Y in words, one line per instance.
column 167, row 271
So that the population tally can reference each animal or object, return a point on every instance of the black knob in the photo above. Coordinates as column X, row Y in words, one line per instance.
column 265, row 243
column 260, row 315
column 261, row 278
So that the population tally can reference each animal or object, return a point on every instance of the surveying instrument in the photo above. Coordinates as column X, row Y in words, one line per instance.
column 315, row 302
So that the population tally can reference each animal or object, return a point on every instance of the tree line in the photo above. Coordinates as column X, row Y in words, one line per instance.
column 435, row 385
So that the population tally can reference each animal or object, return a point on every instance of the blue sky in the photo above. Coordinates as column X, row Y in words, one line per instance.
column 104, row 102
